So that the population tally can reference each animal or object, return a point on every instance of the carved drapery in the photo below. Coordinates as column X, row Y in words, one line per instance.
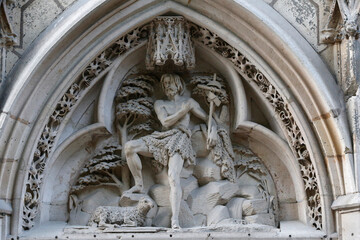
column 99, row 67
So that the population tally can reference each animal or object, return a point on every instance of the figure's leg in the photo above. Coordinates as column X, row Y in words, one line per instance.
column 132, row 150
column 175, row 165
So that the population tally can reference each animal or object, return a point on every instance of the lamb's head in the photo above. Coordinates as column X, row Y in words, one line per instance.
column 145, row 204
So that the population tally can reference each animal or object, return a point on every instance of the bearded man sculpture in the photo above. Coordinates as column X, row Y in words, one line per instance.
column 172, row 147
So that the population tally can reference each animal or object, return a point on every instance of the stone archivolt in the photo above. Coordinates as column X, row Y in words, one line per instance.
column 252, row 210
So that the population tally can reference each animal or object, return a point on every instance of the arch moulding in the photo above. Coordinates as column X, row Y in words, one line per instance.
column 269, row 55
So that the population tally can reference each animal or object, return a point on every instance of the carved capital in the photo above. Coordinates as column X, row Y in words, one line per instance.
column 170, row 40
column 342, row 22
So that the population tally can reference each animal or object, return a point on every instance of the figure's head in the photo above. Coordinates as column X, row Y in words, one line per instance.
column 145, row 204
column 172, row 84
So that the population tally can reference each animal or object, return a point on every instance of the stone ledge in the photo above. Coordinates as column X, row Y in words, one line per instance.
column 61, row 231
column 5, row 207
column 346, row 202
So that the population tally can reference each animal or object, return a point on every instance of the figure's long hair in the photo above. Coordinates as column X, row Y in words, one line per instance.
column 176, row 79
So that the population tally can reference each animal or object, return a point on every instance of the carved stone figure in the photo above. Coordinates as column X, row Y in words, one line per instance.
column 124, row 216
column 171, row 148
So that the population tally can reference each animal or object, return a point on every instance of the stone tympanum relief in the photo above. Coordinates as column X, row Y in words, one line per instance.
column 195, row 175
column 169, row 157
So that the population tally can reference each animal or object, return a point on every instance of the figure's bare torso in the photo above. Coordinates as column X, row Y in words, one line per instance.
column 171, row 107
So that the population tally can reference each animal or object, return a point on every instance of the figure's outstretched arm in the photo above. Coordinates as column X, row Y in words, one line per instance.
column 169, row 120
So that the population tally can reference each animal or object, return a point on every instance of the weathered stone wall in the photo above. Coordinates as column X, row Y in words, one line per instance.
column 30, row 17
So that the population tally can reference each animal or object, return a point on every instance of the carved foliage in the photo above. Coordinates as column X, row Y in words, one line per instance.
column 103, row 61
column 134, row 107
column 289, row 124
column 248, row 162
column 66, row 103
column 100, row 170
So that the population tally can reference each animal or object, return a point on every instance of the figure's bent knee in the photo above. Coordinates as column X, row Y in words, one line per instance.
column 129, row 147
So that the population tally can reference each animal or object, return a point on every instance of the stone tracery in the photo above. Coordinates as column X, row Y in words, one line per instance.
column 98, row 68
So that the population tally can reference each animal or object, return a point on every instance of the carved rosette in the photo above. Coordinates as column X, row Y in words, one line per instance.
column 170, row 40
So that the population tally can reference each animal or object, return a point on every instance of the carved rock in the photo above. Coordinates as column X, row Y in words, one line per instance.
column 130, row 199
column 163, row 217
column 160, row 193
column 249, row 191
column 255, row 206
column 262, row 218
column 186, row 218
column 235, row 206
column 218, row 214
column 198, row 139
column 199, row 219
column 78, row 217
column 206, row 171
column 188, row 185
column 204, row 199
column 186, row 172
column 98, row 198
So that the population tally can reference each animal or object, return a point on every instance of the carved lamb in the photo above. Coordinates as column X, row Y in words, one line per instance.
column 124, row 216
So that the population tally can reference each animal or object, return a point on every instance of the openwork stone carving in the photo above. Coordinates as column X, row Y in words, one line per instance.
column 95, row 69
column 123, row 216
column 170, row 39
column 99, row 68
column 289, row 124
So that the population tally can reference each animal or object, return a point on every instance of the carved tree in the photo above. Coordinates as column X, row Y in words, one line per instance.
column 213, row 91
column 101, row 169
column 248, row 162
column 134, row 109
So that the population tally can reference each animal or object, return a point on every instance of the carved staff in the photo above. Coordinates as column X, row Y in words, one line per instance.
column 212, row 88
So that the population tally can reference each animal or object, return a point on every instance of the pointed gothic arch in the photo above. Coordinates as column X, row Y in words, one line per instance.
column 60, row 56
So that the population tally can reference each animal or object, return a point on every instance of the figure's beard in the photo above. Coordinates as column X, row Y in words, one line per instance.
column 170, row 93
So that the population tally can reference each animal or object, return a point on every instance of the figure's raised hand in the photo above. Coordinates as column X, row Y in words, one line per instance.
column 186, row 106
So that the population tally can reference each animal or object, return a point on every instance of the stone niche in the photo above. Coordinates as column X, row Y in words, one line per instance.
column 138, row 153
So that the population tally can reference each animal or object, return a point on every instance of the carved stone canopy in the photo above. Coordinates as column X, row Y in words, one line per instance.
column 170, row 40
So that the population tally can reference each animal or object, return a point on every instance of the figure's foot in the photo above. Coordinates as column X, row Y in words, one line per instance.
column 135, row 189
column 175, row 224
